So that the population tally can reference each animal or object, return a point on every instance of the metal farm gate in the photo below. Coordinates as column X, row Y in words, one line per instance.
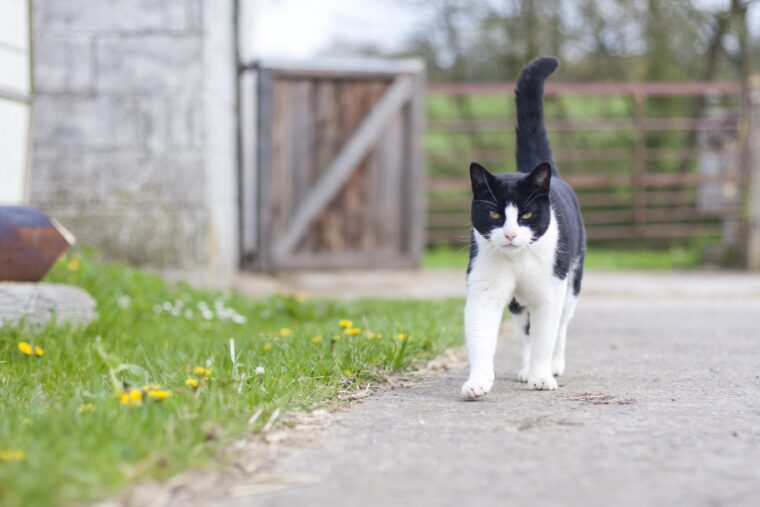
column 646, row 170
column 338, row 179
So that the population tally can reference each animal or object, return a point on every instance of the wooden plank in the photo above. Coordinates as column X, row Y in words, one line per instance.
column 416, row 194
column 692, row 179
column 264, row 215
column 344, row 68
column 301, row 138
column 566, row 155
column 652, row 231
column 591, row 125
column 342, row 167
column 387, row 180
column 651, row 88
column 688, row 214
column 248, row 179
column 593, row 181
column 753, row 193
column 640, row 163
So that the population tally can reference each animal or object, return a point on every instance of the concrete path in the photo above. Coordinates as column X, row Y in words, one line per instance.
column 660, row 405
column 437, row 284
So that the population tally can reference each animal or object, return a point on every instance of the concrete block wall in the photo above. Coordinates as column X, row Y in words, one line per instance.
column 134, row 129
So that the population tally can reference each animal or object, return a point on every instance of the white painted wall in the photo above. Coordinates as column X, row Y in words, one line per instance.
column 14, row 113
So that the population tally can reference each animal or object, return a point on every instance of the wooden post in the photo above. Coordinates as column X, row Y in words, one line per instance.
column 640, row 165
column 753, row 190
column 263, row 203
column 417, row 172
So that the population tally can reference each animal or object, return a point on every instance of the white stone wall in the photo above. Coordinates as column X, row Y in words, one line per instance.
column 134, row 137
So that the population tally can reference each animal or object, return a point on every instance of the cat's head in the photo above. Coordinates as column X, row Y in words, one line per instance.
column 510, row 211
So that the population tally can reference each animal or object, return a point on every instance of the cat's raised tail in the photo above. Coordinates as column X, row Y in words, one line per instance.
column 532, row 141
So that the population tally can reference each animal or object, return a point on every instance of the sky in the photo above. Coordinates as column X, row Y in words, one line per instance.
column 300, row 29
column 304, row 28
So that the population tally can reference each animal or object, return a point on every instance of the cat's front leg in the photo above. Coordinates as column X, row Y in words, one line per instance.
column 544, row 325
column 482, row 318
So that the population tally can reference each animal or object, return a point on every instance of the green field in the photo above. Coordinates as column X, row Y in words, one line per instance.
column 72, row 429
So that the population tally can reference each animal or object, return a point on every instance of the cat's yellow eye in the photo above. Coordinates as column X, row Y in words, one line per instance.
column 494, row 215
column 526, row 216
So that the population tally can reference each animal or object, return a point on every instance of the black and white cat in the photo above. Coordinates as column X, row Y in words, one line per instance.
column 527, row 250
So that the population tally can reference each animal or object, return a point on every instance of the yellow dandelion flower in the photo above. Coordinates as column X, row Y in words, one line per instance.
column 345, row 323
column 73, row 264
column 401, row 337
column 25, row 348
column 370, row 334
column 86, row 408
column 132, row 397
column 286, row 332
column 38, row 351
column 151, row 387
column 202, row 372
column 192, row 383
column 352, row 331
column 159, row 394
column 267, row 347
column 316, row 340
column 12, row 455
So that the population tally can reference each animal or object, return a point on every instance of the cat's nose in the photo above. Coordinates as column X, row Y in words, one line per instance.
column 510, row 235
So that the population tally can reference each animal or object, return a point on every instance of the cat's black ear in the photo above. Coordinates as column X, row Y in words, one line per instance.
column 481, row 179
column 541, row 177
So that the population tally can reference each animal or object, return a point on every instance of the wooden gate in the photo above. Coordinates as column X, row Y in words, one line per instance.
column 339, row 173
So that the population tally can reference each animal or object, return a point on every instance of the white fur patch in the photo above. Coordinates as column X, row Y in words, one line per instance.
column 511, row 236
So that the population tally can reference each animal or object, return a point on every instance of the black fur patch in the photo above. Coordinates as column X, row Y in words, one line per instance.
column 473, row 251
column 515, row 307
column 578, row 275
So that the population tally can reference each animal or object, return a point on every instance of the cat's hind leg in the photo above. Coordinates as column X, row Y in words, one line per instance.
column 568, row 310
column 545, row 315
column 521, row 325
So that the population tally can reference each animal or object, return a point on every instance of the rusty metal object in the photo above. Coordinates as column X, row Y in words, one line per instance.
column 30, row 243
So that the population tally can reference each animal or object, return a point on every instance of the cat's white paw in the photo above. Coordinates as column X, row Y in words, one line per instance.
column 542, row 382
column 476, row 388
column 522, row 375
column 558, row 366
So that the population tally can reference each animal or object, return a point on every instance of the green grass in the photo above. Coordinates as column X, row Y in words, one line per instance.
column 596, row 259
column 68, row 457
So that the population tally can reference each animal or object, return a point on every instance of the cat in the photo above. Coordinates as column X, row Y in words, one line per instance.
column 527, row 249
